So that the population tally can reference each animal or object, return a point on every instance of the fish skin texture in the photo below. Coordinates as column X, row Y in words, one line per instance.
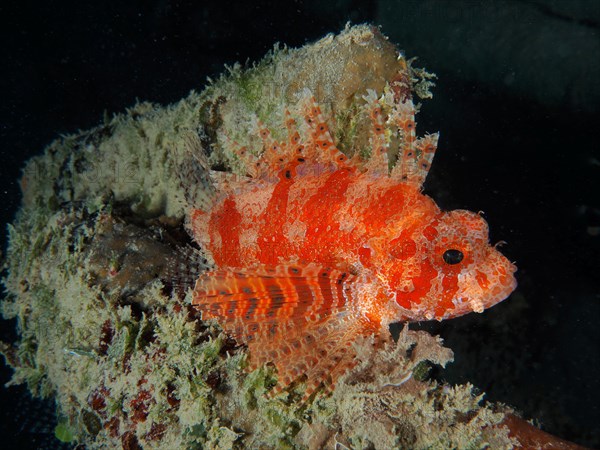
column 314, row 249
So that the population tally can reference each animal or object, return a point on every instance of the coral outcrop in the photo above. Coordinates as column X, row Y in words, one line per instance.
column 107, row 330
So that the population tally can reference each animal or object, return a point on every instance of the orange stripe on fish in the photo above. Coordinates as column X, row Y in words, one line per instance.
column 314, row 250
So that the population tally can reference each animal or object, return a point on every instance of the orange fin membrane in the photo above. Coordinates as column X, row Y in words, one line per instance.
column 293, row 316
column 283, row 293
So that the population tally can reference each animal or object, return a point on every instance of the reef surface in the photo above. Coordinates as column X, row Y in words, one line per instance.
column 106, row 330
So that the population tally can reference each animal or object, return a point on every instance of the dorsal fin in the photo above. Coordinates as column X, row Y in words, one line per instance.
column 320, row 138
column 377, row 164
column 308, row 148
column 194, row 174
column 414, row 155
column 392, row 117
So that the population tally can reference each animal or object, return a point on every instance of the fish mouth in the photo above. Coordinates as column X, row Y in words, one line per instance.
column 506, row 291
column 506, row 286
column 503, row 286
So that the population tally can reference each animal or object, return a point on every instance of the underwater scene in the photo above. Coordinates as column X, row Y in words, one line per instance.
column 300, row 225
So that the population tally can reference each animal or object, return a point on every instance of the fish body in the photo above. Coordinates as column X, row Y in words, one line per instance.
column 313, row 249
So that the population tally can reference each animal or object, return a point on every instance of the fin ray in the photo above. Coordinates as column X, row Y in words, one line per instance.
column 194, row 174
column 283, row 293
column 377, row 164
column 415, row 154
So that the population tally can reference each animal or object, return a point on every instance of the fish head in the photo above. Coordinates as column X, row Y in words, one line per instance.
column 448, row 268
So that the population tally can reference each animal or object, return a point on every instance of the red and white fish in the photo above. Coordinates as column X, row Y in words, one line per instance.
column 313, row 249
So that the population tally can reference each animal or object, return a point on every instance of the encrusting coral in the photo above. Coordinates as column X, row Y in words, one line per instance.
column 107, row 328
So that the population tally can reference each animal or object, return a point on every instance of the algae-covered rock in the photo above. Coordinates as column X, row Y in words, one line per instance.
column 106, row 327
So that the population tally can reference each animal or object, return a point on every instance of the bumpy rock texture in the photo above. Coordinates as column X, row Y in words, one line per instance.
column 107, row 331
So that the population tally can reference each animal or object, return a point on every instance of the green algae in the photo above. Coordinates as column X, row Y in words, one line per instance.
column 63, row 432
column 126, row 358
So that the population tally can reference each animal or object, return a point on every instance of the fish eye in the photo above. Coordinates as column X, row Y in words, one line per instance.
column 453, row 256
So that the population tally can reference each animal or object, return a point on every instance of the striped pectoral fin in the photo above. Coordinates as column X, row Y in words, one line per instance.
column 295, row 317
column 279, row 294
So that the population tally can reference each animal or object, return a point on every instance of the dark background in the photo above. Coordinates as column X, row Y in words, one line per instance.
column 524, row 153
